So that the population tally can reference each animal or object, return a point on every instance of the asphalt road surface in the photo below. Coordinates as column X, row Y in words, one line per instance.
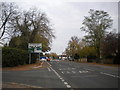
column 66, row 74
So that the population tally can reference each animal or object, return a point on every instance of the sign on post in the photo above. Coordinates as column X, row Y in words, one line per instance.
column 35, row 47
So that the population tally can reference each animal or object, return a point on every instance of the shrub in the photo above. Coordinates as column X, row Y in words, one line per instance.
column 13, row 57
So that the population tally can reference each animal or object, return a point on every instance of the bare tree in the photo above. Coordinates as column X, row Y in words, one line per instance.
column 7, row 10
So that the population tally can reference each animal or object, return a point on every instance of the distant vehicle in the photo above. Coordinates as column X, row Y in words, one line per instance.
column 48, row 59
column 43, row 58
column 70, row 59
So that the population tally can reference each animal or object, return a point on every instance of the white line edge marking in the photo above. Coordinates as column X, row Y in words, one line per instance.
column 62, row 72
column 109, row 74
column 49, row 69
column 49, row 64
column 67, row 85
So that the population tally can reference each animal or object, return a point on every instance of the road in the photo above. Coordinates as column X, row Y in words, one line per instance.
column 66, row 74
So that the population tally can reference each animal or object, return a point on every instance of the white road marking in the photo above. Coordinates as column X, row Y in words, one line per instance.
column 60, row 69
column 49, row 64
column 68, row 72
column 80, row 71
column 89, row 69
column 73, row 72
column 83, row 71
column 38, row 66
column 62, row 72
column 67, row 85
column 73, row 68
column 109, row 75
column 61, row 78
column 49, row 69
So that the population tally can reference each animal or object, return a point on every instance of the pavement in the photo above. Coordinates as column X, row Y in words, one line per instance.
column 65, row 74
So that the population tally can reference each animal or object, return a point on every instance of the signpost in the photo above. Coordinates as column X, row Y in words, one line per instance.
column 34, row 48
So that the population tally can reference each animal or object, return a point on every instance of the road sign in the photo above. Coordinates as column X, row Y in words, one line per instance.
column 35, row 47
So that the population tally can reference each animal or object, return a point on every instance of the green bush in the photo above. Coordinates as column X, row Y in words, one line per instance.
column 13, row 57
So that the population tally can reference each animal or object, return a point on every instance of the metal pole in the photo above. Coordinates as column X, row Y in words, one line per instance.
column 29, row 58
column 39, row 56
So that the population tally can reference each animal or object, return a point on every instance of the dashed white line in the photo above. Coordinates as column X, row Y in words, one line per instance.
column 73, row 68
column 67, row 85
column 73, row 72
column 62, row 72
column 61, row 78
column 80, row 71
column 109, row 75
column 85, row 71
column 68, row 72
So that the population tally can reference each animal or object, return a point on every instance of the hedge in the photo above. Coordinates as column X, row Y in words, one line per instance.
column 13, row 57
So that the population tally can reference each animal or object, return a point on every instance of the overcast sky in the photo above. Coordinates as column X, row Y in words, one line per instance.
column 66, row 17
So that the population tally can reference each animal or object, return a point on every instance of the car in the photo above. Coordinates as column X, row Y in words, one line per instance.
column 43, row 58
column 48, row 59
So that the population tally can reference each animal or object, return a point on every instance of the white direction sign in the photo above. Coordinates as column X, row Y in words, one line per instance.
column 35, row 47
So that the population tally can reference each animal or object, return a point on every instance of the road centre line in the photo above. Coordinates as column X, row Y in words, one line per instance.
column 110, row 75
